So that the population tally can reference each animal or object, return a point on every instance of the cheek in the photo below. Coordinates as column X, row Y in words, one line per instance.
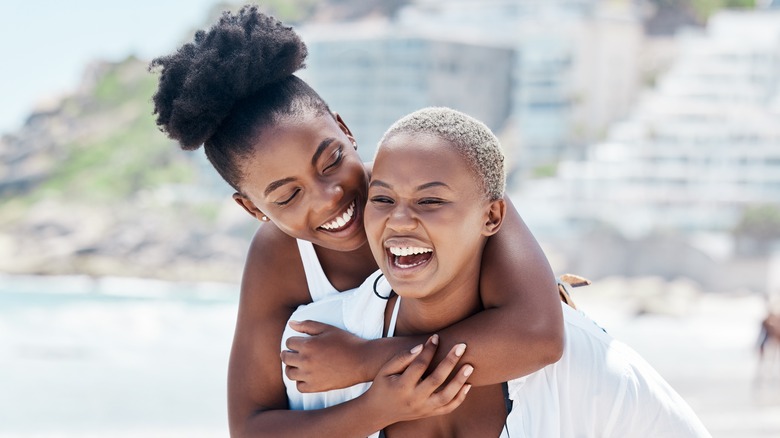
column 355, row 174
column 373, row 222
column 445, row 226
column 292, row 220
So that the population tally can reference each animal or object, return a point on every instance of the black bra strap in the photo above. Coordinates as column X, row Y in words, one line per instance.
column 507, row 401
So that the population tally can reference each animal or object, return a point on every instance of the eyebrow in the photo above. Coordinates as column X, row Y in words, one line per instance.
column 432, row 184
column 276, row 184
column 380, row 183
column 320, row 149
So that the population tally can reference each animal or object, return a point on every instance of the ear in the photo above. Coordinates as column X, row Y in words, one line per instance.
column 250, row 207
column 495, row 217
column 344, row 128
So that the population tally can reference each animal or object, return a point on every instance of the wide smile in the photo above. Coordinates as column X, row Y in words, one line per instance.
column 408, row 259
column 341, row 222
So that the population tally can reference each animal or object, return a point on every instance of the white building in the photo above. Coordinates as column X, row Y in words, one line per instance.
column 698, row 148
column 373, row 73
column 558, row 72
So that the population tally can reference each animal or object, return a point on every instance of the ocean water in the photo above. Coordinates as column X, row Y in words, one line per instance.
column 112, row 357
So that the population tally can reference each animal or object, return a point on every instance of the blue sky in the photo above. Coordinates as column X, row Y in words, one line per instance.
column 45, row 44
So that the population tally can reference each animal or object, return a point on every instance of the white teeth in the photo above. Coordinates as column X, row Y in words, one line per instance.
column 341, row 220
column 408, row 250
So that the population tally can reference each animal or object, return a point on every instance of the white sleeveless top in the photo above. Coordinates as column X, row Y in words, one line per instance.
column 319, row 285
column 358, row 311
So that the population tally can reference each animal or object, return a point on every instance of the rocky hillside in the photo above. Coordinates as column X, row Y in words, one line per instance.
column 90, row 186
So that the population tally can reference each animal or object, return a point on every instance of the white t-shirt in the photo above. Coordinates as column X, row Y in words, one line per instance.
column 599, row 388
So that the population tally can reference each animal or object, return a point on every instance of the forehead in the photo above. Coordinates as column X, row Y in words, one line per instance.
column 298, row 133
column 419, row 158
column 285, row 148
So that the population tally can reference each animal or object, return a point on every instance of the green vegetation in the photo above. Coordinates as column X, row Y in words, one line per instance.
column 760, row 222
column 122, row 152
column 287, row 11
column 126, row 162
column 705, row 8
column 545, row 171
column 290, row 11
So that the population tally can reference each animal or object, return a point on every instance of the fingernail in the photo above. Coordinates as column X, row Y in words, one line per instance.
column 294, row 322
column 466, row 391
column 460, row 349
column 416, row 349
column 467, row 370
column 435, row 339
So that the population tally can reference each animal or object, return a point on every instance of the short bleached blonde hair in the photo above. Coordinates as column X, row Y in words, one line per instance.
column 471, row 138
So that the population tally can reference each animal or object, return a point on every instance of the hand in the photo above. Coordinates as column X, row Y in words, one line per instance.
column 327, row 359
column 400, row 393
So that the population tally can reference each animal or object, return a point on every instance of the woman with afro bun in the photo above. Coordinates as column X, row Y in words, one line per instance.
column 294, row 166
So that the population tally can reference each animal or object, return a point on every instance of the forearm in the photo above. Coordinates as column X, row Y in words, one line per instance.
column 512, row 348
column 353, row 418
column 377, row 352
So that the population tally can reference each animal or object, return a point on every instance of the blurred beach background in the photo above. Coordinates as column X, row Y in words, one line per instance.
column 642, row 139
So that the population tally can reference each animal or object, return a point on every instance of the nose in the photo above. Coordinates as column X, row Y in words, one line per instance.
column 401, row 219
column 329, row 197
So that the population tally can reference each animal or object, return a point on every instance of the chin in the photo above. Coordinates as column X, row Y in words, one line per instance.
column 408, row 289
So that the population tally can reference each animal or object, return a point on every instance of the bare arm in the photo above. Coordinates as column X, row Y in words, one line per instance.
column 519, row 331
column 273, row 285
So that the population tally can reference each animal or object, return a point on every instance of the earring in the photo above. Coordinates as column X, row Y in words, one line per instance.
column 264, row 218
column 354, row 144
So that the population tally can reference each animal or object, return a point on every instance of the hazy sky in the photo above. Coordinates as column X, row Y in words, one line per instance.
column 45, row 44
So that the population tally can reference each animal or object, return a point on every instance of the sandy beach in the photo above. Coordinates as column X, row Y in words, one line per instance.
column 704, row 346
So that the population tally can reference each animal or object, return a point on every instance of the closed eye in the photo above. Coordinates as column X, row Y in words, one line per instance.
column 337, row 156
column 431, row 201
column 287, row 201
column 381, row 200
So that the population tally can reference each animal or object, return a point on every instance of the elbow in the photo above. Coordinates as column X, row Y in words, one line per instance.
column 248, row 427
column 237, row 427
column 551, row 349
column 548, row 342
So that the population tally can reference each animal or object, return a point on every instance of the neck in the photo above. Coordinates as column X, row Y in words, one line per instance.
column 346, row 269
column 440, row 309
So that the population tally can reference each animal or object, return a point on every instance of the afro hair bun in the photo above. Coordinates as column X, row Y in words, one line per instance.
column 203, row 80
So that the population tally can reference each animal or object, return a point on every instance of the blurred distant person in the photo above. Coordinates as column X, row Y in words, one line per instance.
column 769, row 349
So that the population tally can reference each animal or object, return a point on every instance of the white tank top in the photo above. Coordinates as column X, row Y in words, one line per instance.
column 319, row 285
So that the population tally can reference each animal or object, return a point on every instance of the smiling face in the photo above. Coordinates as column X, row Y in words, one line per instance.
column 307, row 178
column 427, row 217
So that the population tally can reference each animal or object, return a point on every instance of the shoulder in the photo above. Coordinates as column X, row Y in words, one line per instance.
column 273, row 270
column 269, row 244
